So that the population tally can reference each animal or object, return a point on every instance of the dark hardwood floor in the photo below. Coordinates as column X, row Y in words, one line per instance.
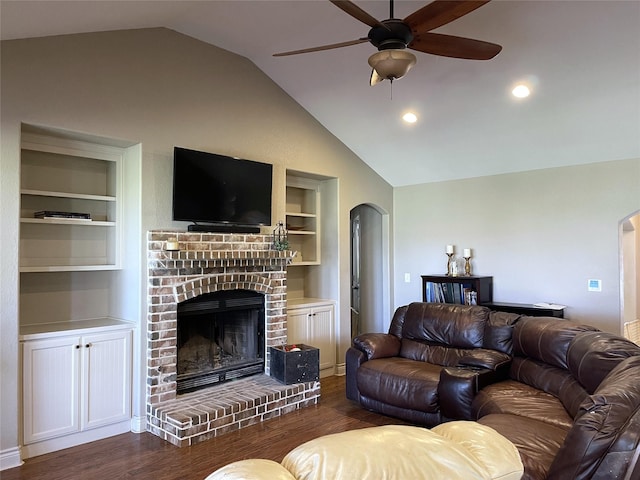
column 143, row 456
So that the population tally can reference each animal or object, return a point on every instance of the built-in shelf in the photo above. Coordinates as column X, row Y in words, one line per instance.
column 310, row 320
column 61, row 174
column 76, row 222
column 77, row 302
column 80, row 196
column 303, row 219
column 48, row 330
column 67, row 268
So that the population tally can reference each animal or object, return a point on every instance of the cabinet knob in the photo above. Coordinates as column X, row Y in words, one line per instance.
column 77, row 346
column 88, row 345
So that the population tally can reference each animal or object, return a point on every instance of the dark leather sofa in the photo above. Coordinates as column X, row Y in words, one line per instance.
column 567, row 395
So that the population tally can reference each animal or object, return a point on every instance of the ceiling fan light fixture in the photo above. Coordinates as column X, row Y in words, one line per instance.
column 521, row 91
column 410, row 117
column 392, row 63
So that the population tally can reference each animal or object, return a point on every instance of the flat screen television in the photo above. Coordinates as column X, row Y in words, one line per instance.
column 222, row 192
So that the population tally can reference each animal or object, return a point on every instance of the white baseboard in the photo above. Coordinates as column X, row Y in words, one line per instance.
column 10, row 458
column 66, row 441
column 341, row 369
column 138, row 424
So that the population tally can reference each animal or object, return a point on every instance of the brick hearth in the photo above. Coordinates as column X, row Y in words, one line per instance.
column 205, row 263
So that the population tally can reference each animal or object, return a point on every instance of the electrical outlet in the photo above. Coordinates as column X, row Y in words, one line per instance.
column 407, row 278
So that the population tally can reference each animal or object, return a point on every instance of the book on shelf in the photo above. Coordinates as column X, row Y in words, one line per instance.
column 456, row 293
column 56, row 214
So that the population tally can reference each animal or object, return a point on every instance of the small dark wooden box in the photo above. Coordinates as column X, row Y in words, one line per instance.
column 294, row 367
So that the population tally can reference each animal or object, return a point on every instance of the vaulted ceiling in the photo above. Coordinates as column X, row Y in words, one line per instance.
column 581, row 60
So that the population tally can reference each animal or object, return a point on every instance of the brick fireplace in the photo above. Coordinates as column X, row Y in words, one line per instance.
column 207, row 263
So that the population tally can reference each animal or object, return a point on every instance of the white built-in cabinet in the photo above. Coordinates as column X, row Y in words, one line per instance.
column 74, row 383
column 312, row 322
column 76, row 347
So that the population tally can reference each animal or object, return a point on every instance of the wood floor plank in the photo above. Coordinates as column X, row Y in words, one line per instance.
column 145, row 456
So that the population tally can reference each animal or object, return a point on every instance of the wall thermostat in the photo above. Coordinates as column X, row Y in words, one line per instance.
column 594, row 285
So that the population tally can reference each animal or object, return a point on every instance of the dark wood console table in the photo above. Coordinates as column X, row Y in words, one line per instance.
column 525, row 309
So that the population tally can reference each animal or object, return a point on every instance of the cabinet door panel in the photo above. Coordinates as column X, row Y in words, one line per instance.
column 298, row 326
column 322, row 335
column 107, row 376
column 51, row 377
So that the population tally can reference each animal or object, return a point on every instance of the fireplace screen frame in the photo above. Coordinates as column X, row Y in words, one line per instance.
column 224, row 306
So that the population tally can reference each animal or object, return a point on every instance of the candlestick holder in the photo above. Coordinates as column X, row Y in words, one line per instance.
column 467, row 266
column 450, row 264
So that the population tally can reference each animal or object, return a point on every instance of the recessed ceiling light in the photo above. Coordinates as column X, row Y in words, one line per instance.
column 410, row 117
column 521, row 91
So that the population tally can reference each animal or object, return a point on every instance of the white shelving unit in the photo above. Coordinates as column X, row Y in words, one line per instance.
column 76, row 344
column 65, row 175
column 303, row 219
column 310, row 320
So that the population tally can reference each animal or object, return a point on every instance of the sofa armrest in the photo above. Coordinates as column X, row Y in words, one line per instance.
column 485, row 358
column 377, row 345
column 353, row 359
column 456, row 390
column 458, row 386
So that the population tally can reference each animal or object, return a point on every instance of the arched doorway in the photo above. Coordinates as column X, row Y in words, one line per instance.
column 369, row 270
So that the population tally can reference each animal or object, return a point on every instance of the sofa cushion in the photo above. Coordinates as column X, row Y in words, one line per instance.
column 556, row 381
column 400, row 382
column 516, row 398
column 252, row 469
column 537, row 442
column 462, row 451
column 486, row 445
column 592, row 355
column 546, row 339
column 451, row 356
column 606, row 422
column 460, row 326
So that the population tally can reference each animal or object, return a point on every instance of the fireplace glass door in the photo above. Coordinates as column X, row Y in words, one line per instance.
column 220, row 337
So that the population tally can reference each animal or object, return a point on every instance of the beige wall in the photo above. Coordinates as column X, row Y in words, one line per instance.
column 540, row 234
column 158, row 88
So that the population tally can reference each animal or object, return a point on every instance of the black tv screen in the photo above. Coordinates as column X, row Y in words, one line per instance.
column 218, row 189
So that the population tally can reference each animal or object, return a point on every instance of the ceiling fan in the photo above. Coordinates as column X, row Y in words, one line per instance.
column 392, row 37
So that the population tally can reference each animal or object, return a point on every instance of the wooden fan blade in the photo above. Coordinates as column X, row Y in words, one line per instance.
column 456, row 47
column 357, row 13
column 323, row 47
column 440, row 13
